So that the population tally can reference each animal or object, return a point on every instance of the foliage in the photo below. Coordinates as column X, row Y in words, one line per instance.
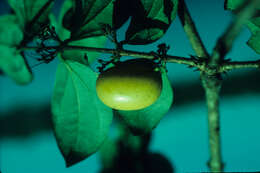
column 81, row 121
column 27, row 10
column 11, row 61
column 82, row 57
column 253, row 24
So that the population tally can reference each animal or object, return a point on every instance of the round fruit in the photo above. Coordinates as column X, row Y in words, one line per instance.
column 130, row 85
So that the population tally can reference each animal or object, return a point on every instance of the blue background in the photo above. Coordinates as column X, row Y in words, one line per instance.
column 28, row 145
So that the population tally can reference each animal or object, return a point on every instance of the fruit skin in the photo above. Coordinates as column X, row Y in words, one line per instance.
column 130, row 85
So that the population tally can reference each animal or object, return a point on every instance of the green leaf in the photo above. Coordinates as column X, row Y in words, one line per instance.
column 151, row 20
column 11, row 61
column 108, row 153
column 254, row 42
column 143, row 121
column 234, row 4
column 78, row 55
column 26, row 10
column 83, row 56
column 10, row 33
column 14, row 66
column 254, row 25
column 87, row 18
column 81, row 121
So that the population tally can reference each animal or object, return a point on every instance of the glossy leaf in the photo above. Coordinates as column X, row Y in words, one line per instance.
column 26, row 10
column 144, row 120
column 87, row 18
column 151, row 20
column 81, row 121
column 77, row 55
column 11, row 61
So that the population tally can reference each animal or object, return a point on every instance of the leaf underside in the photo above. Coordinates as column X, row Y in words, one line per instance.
column 81, row 121
column 150, row 20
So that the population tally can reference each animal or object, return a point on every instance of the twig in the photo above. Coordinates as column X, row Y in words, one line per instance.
column 226, row 41
column 200, row 64
column 239, row 65
column 173, row 59
column 211, row 86
column 191, row 31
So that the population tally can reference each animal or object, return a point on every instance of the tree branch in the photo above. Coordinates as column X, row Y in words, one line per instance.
column 225, row 42
column 239, row 65
column 191, row 31
column 192, row 62
column 211, row 85
column 200, row 64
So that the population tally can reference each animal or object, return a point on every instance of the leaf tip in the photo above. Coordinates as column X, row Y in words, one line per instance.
column 73, row 158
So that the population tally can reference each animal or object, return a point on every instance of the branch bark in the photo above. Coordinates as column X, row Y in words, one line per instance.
column 211, row 85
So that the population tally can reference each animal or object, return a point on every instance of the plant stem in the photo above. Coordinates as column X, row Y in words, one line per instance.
column 211, row 85
column 238, row 65
column 151, row 55
column 200, row 64
column 191, row 31
column 225, row 42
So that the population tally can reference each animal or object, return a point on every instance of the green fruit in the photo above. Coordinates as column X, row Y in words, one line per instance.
column 130, row 85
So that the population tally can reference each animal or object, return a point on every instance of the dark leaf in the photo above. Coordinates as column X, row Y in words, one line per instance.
column 26, row 10
column 150, row 20
column 87, row 18
column 122, row 11
column 83, row 57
